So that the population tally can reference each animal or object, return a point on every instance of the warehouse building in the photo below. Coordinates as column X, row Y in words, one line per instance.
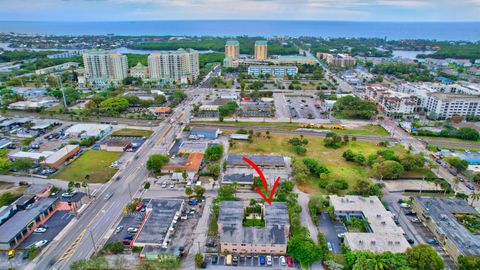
column 442, row 215
column 88, row 130
column 261, row 161
column 237, row 239
column 115, row 144
column 204, row 133
column 58, row 158
column 382, row 234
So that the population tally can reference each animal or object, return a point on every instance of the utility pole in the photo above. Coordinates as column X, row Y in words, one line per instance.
column 63, row 93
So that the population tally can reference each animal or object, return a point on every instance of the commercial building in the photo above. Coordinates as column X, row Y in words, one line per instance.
column 58, row 158
column 441, row 216
column 56, row 68
column 115, row 144
column 86, row 130
column 294, row 60
column 242, row 179
column 261, row 50
column 273, row 71
column 33, row 105
column 180, row 66
column 382, row 232
column 139, row 71
column 23, row 222
column 189, row 164
column 204, row 133
column 103, row 67
column 29, row 93
column 188, row 147
column 30, row 155
column 238, row 239
column 158, row 227
column 232, row 49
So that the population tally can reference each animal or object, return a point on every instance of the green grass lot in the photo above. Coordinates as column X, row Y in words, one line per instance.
column 331, row 158
column 363, row 130
column 130, row 132
column 94, row 163
column 224, row 84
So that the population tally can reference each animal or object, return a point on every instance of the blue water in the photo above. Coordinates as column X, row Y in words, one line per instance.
column 469, row 31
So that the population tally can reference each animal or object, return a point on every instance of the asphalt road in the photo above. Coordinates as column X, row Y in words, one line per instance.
column 90, row 230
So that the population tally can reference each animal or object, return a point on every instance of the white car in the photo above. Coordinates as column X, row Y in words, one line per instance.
column 330, row 248
column 269, row 260
column 164, row 184
column 415, row 220
column 68, row 195
column 40, row 230
column 172, row 185
column 405, row 205
column 283, row 262
column 40, row 243
column 132, row 230
column 118, row 229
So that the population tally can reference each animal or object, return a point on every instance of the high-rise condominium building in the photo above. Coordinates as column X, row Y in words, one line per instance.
column 179, row 66
column 261, row 50
column 232, row 49
column 103, row 67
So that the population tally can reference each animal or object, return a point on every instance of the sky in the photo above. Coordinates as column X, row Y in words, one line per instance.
column 141, row 10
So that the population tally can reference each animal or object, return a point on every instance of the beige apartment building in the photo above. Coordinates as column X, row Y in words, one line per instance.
column 232, row 49
column 180, row 66
column 139, row 71
column 238, row 239
column 261, row 50
column 103, row 67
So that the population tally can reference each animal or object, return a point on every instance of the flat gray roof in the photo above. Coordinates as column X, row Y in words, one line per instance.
column 239, row 178
column 259, row 160
column 19, row 221
column 159, row 220
column 231, row 216
column 441, row 210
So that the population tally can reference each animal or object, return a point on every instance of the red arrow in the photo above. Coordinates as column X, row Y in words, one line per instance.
column 264, row 180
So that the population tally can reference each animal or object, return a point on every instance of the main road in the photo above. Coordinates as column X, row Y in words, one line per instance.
column 88, row 231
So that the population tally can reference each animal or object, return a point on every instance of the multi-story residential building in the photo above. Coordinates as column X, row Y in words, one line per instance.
column 391, row 102
column 139, row 71
column 232, row 49
column 103, row 67
column 274, row 71
column 444, row 106
column 56, row 68
column 261, row 50
column 239, row 239
column 295, row 60
column 178, row 66
column 338, row 60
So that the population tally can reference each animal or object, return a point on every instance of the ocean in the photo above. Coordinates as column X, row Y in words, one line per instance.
column 468, row 31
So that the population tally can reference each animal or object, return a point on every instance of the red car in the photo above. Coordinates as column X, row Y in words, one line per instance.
column 289, row 261
column 139, row 206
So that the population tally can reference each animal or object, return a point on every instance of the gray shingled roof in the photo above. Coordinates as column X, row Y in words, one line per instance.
column 231, row 216
column 15, row 224
column 441, row 210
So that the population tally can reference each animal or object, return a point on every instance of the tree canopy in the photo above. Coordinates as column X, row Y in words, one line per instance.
column 354, row 107
column 156, row 161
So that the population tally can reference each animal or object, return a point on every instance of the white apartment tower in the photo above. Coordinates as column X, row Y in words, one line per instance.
column 103, row 67
column 178, row 66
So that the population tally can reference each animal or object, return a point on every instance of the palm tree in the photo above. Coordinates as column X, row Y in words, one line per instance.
column 85, row 185
column 456, row 180
column 474, row 196
column 235, row 187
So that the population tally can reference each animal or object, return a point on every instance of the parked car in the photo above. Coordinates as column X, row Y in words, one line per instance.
column 235, row 260
column 132, row 230
column 40, row 230
column 330, row 248
column 269, row 260
column 405, row 205
column 139, row 206
column 164, row 184
column 283, row 262
column 214, row 259
column 68, row 195
column 415, row 220
column 410, row 241
column 172, row 185
column 23, row 183
column 262, row 260
column 40, row 243
column 193, row 202
column 289, row 261
column 108, row 195
column 432, row 241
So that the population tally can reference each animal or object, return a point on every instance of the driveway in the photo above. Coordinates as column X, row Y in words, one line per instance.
column 331, row 228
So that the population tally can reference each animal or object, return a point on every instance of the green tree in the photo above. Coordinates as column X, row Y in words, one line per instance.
column 22, row 164
column 388, row 169
column 214, row 169
column 156, row 161
column 199, row 190
column 457, row 163
column 95, row 263
column 198, row 260
column 412, row 162
column 114, row 247
column 188, row 191
column 467, row 133
column 424, row 257
column 303, row 249
column 214, row 152
column 5, row 165
column 468, row 262
column 114, row 105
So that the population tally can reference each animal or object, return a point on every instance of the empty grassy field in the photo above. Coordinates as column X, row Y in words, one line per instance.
column 130, row 132
column 94, row 163
column 331, row 158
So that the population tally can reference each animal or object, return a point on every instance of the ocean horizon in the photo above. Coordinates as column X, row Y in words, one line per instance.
column 451, row 31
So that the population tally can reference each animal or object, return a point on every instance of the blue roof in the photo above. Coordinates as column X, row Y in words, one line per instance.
column 261, row 42
column 210, row 133
column 232, row 42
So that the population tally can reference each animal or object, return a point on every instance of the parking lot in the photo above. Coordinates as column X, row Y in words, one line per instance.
column 304, row 107
column 54, row 225
column 331, row 229
column 256, row 109
column 246, row 261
